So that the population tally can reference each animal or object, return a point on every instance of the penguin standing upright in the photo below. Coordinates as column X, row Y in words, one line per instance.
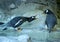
column 51, row 19
column 17, row 21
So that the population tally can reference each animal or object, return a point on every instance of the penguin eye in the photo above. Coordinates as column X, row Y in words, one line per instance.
column 46, row 11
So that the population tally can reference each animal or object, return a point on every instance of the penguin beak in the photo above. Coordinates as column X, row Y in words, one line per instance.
column 37, row 16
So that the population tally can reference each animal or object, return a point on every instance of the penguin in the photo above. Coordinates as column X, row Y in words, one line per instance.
column 17, row 21
column 51, row 19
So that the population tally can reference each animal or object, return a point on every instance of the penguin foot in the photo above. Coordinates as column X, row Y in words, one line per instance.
column 18, row 29
column 49, row 30
column 54, row 29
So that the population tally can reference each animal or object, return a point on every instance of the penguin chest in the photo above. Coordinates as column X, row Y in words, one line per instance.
column 51, row 21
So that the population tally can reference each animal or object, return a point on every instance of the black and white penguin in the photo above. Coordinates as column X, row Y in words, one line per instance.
column 51, row 19
column 17, row 21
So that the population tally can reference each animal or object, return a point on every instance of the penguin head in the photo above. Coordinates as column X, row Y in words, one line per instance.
column 47, row 11
column 31, row 18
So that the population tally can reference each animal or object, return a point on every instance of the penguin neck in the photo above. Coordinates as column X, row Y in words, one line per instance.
column 28, row 19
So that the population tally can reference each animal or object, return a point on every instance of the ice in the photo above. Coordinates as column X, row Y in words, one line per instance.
column 21, row 38
column 12, row 6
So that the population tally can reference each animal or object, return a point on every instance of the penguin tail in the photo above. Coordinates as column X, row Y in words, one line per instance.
column 3, row 27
